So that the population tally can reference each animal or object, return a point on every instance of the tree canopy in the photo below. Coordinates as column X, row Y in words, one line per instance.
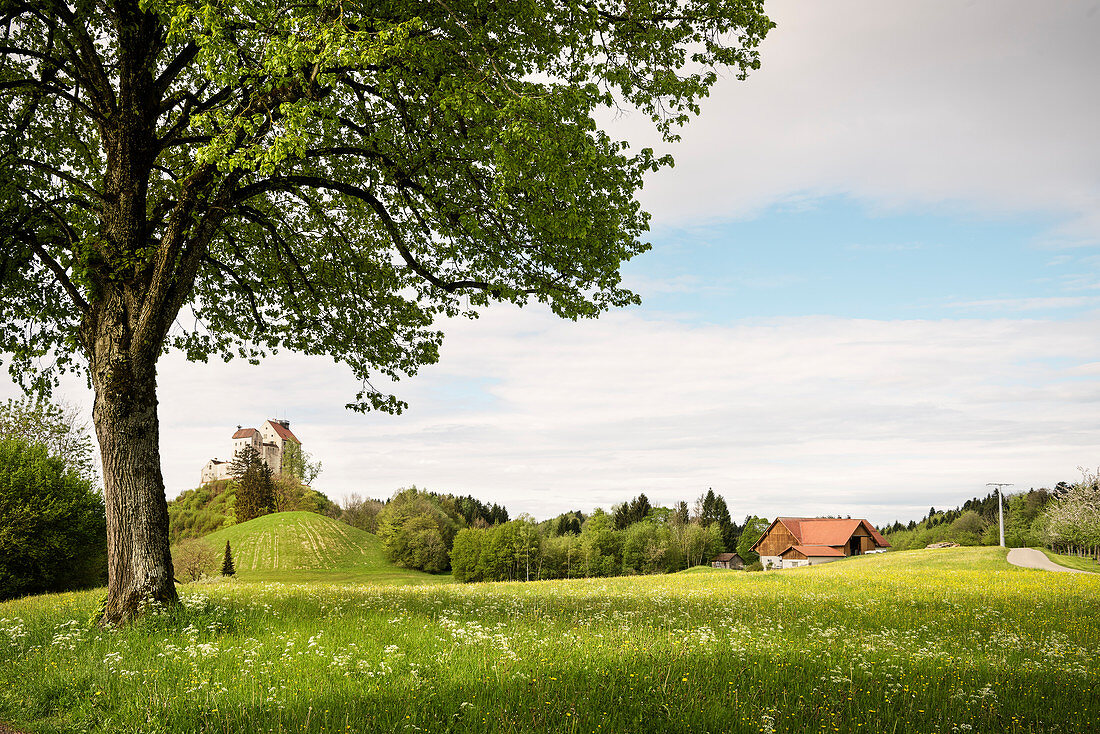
column 255, row 485
column 56, row 426
column 328, row 176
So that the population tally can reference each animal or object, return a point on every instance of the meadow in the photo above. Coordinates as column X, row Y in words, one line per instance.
column 921, row 641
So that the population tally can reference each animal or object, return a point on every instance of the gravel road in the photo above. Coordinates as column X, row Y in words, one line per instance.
column 1031, row 558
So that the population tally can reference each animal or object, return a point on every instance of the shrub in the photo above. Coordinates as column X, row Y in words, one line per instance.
column 53, row 531
column 193, row 558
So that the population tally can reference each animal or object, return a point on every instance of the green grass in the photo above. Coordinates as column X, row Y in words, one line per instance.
column 940, row 641
column 294, row 547
column 1082, row 564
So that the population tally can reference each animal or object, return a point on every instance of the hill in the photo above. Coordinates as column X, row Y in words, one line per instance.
column 305, row 546
column 197, row 512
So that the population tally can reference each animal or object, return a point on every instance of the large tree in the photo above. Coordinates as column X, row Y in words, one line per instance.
column 232, row 177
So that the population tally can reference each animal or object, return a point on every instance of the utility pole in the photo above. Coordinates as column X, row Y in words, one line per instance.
column 1000, row 506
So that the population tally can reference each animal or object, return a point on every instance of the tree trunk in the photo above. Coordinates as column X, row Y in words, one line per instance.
column 139, row 564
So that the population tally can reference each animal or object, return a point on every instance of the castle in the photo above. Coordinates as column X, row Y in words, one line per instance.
column 270, row 442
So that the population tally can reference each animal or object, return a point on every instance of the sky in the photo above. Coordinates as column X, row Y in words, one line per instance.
column 874, row 287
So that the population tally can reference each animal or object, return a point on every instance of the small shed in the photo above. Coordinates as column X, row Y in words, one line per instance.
column 728, row 561
column 809, row 555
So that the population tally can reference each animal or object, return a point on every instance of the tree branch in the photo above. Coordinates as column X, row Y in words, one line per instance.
column 64, row 176
column 261, row 325
column 288, row 183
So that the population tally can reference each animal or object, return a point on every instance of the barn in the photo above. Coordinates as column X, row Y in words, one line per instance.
column 727, row 560
column 805, row 541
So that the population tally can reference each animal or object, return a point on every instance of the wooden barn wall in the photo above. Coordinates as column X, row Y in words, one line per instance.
column 777, row 539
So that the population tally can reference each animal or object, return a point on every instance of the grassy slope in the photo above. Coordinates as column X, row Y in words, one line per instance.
column 1078, row 562
column 305, row 546
column 915, row 641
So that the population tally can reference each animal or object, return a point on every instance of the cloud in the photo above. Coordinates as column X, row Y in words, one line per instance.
column 798, row 415
column 984, row 107
column 1027, row 304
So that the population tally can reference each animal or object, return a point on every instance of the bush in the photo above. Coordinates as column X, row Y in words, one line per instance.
column 53, row 529
column 193, row 558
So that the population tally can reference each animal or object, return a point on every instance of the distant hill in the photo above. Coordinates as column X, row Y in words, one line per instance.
column 305, row 546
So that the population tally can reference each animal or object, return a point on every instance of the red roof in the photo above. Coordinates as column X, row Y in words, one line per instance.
column 245, row 433
column 283, row 432
column 817, row 531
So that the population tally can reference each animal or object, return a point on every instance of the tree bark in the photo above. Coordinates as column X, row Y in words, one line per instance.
column 139, row 564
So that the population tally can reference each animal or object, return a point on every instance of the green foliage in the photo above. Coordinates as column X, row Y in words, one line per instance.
column 418, row 530
column 52, row 526
column 201, row 511
column 568, row 523
column 628, row 513
column 646, row 548
column 57, row 426
column 299, row 465
column 361, row 512
column 752, row 532
column 705, row 509
column 664, row 540
column 227, row 561
column 975, row 523
column 469, row 544
column 726, row 527
column 448, row 151
column 255, row 485
column 291, row 495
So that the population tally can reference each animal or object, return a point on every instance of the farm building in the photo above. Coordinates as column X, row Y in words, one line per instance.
column 805, row 541
column 727, row 560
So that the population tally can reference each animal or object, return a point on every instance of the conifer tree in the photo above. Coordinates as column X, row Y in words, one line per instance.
column 725, row 524
column 227, row 563
column 705, row 509
column 255, row 485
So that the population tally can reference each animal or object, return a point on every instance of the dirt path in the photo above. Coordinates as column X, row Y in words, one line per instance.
column 1031, row 558
column 5, row 729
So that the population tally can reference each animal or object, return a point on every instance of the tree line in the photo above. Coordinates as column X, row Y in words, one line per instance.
column 1065, row 518
column 1071, row 521
column 436, row 532
column 975, row 522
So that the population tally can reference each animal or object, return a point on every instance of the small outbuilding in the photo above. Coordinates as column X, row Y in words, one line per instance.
column 728, row 561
